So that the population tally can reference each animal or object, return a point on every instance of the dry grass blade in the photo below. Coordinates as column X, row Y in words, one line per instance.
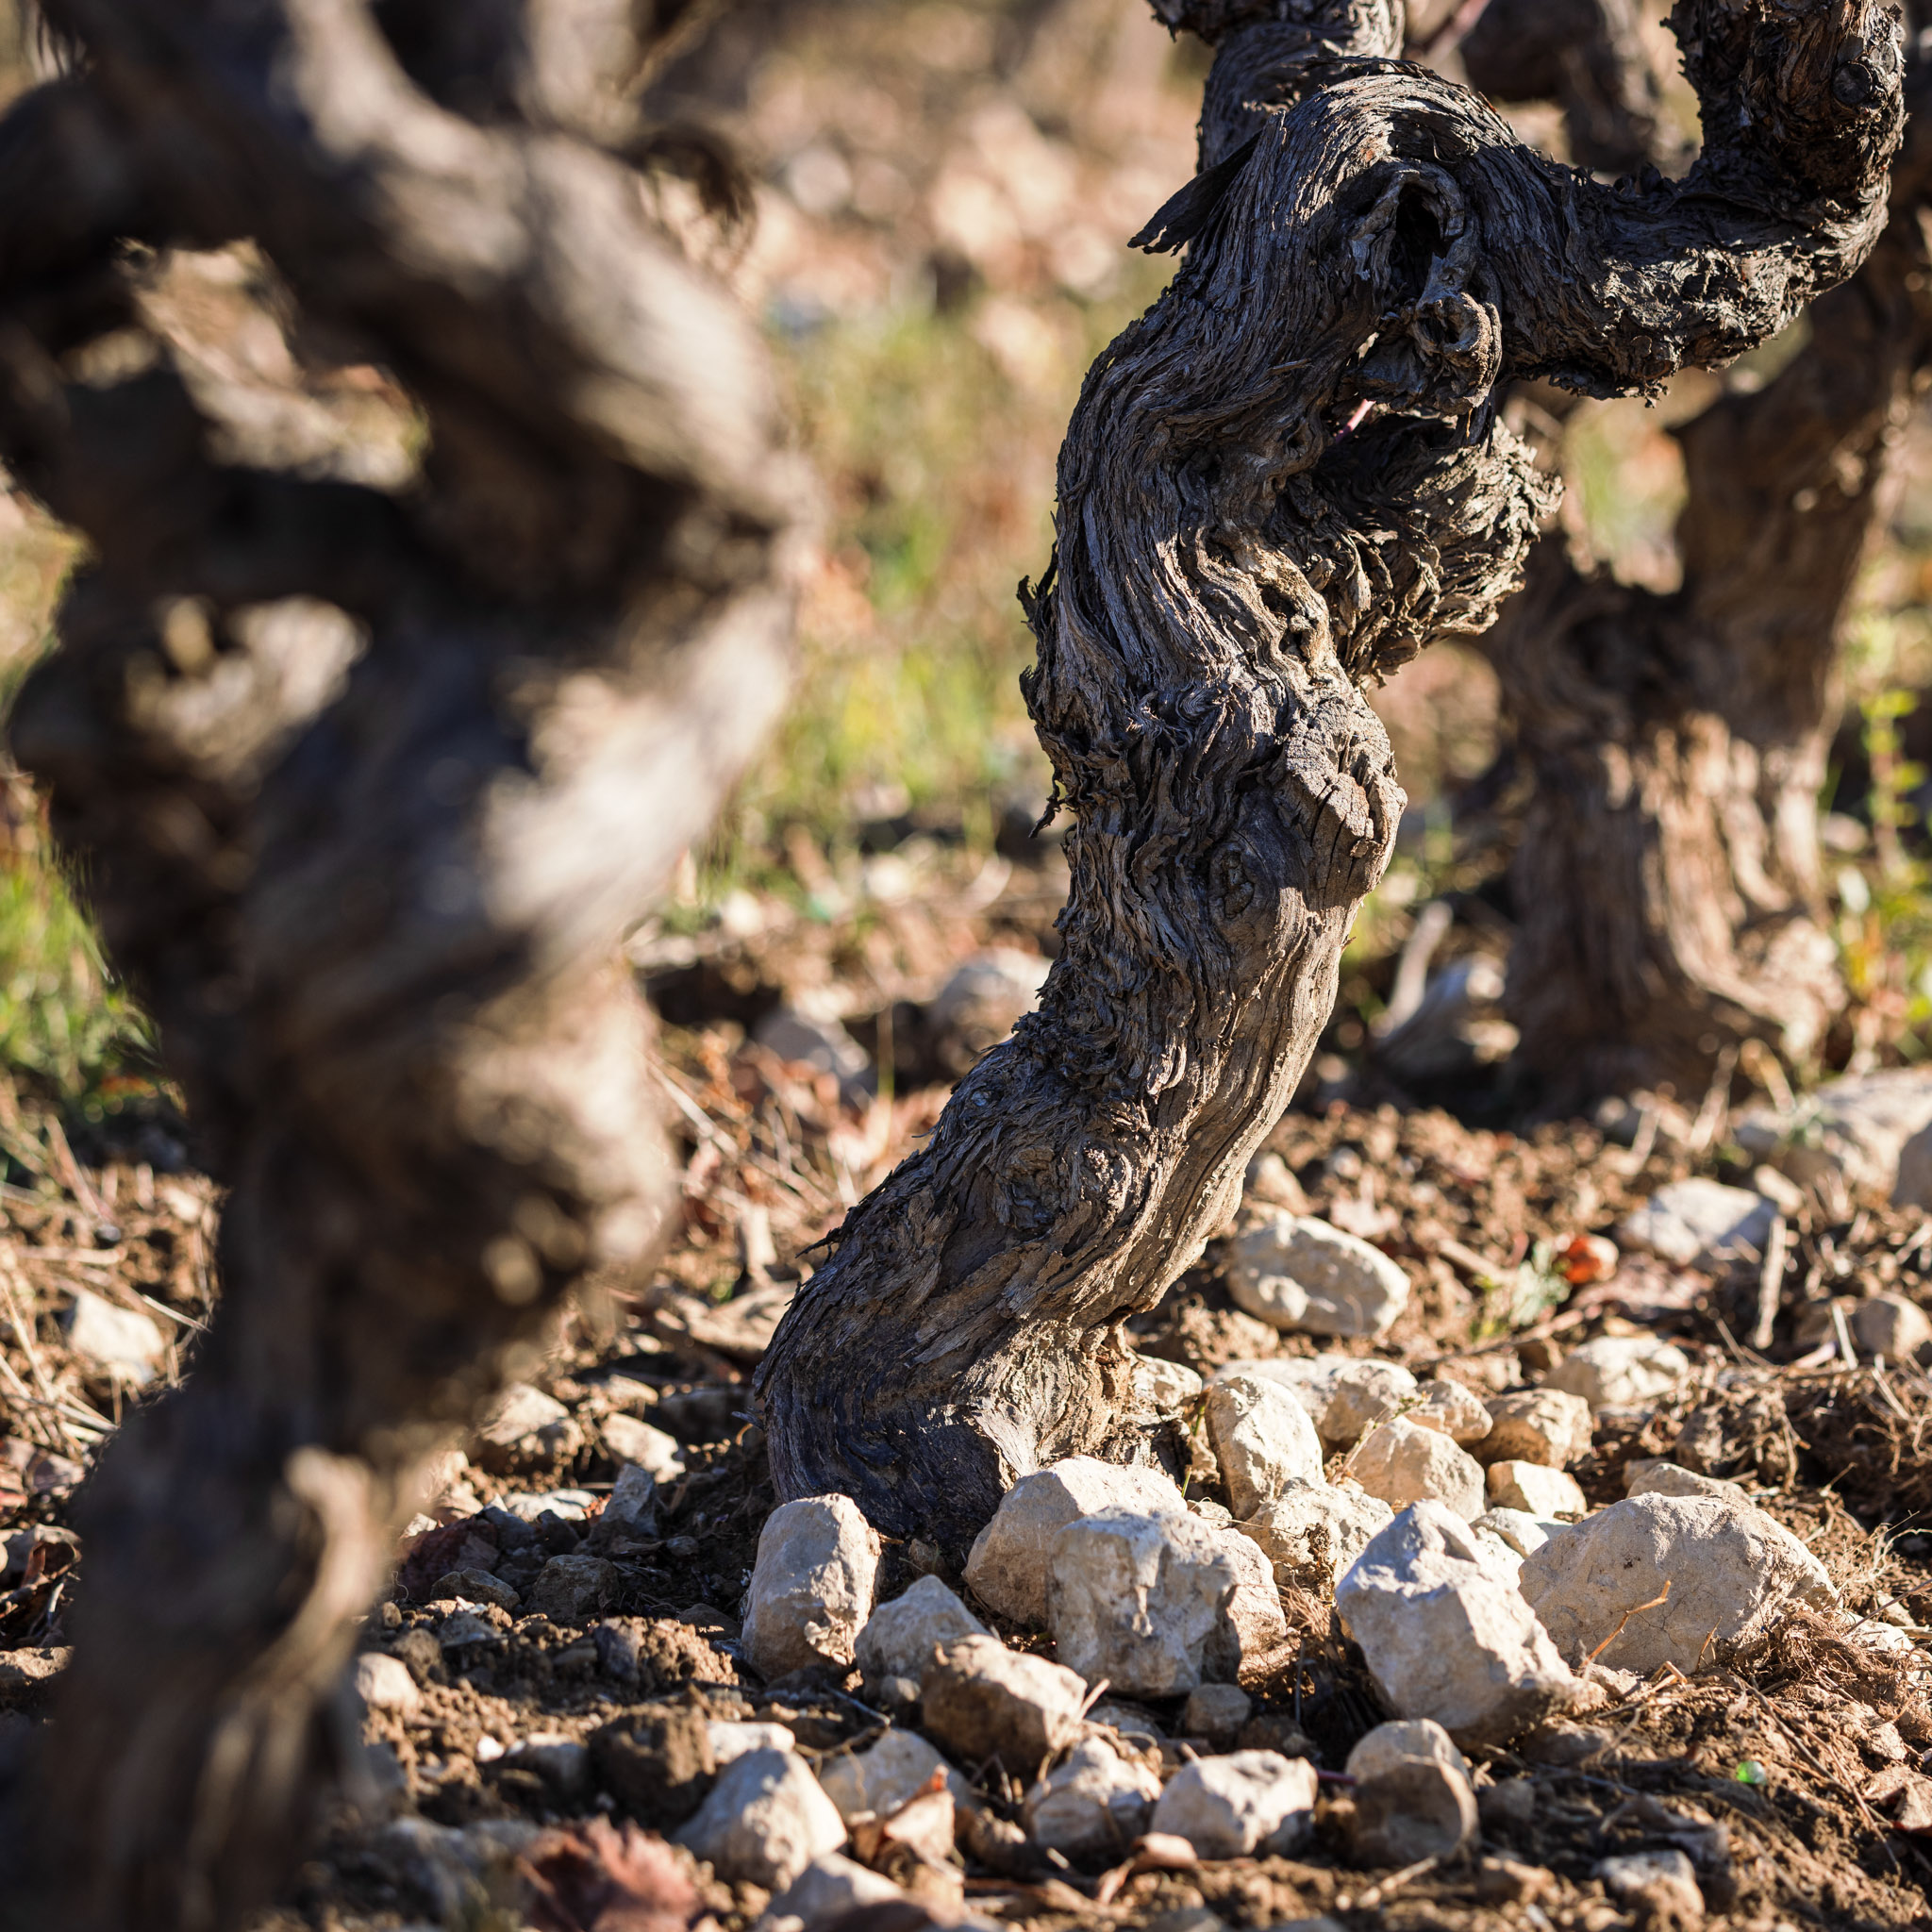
column 1662, row 1596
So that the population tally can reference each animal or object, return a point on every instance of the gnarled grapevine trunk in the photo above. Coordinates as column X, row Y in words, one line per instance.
column 1668, row 889
column 367, row 784
column 1285, row 479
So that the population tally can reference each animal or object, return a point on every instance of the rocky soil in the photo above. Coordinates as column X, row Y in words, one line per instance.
column 1531, row 1539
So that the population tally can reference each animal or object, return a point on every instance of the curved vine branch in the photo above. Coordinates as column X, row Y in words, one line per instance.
column 1285, row 479
column 367, row 784
column 1668, row 881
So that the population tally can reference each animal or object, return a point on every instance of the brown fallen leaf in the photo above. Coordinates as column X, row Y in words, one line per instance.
column 594, row 1878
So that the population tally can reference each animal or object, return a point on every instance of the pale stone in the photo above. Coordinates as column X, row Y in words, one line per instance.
column 384, row 1683
column 1296, row 1272
column 1362, row 1394
column 1656, row 1476
column 633, row 1504
column 812, row 1589
column 981, row 1700
column 1892, row 1327
column 879, row 1780
column 1255, row 1609
column 982, row 1002
column 1400, row 1740
column 1402, row 1463
column 521, row 1412
column 1166, row 1387
column 1535, row 1488
column 1262, row 1439
column 1699, row 1223
column 1621, row 1371
column 645, row 1444
column 1732, row 1569
column 764, row 1821
column 1547, row 1425
column 1459, row 1413
column 126, row 1342
column 573, row 1589
column 826, row 1888
column 1516, row 1528
column 1443, row 1638
column 1216, row 1712
column 1662, row 1885
column 900, row 1637
column 731, row 1740
column 1233, row 1806
column 1413, row 1798
column 1007, row 1567
column 1312, row 1532
column 1310, row 1378
column 1144, row 1602
column 1096, row 1802
column 1860, row 1128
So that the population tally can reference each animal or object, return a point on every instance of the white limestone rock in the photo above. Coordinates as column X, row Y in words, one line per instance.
column 1459, row 1413
column 1233, row 1806
column 1517, row 1530
column 1891, row 1326
column 1096, row 1802
column 1443, row 1638
column 1869, row 1129
column 1547, row 1425
column 1166, row 1387
column 1657, row 1476
column 1731, row 1568
column 1310, row 1378
column 1007, row 1568
column 1313, row 1531
column 900, row 1637
column 1255, row 1609
column 826, row 1890
column 732, row 1739
column 1402, row 1463
column 1621, row 1372
column 1216, row 1712
column 812, row 1587
column 1535, row 1488
column 1414, row 1797
column 1296, row 1272
column 384, row 1683
column 1660, row 1887
column 1362, row 1394
column 126, row 1341
column 1145, row 1601
column 764, row 1821
column 1262, row 1439
column 980, row 1700
column 877, row 1781
column 1699, row 1223
column 644, row 1444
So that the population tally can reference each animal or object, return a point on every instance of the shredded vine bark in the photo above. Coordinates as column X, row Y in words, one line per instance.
column 1287, row 478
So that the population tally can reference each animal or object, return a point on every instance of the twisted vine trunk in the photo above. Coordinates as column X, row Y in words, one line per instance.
column 1668, row 883
column 1285, row 479
column 367, row 785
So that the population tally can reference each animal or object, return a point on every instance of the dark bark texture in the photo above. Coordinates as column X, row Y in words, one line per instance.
column 1287, row 478
column 1668, row 885
column 367, row 783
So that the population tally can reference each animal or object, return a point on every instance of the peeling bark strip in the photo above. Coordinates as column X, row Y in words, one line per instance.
column 366, row 786
column 1284, row 480
column 1668, row 884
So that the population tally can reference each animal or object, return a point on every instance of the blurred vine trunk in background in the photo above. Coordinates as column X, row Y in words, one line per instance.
column 1668, row 890
column 370, row 757
column 1287, row 478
